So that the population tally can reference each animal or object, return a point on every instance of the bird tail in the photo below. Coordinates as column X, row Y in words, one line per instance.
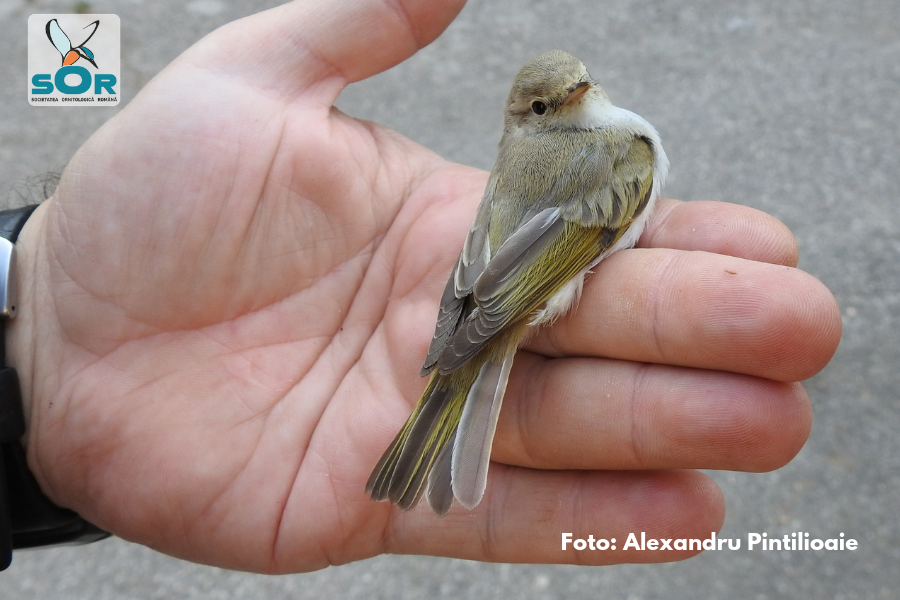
column 444, row 449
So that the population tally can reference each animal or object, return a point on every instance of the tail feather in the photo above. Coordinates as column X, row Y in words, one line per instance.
column 475, row 436
column 444, row 449
column 401, row 474
column 427, row 437
column 378, row 485
column 440, row 490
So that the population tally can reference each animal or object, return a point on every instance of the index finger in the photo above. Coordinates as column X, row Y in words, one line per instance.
column 722, row 228
column 696, row 307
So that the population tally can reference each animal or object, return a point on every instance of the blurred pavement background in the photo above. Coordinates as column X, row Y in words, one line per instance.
column 790, row 107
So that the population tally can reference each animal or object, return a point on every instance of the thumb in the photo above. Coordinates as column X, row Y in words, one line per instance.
column 309, row 44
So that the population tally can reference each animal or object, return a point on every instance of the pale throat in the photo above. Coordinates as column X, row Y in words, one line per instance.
column 590, row 112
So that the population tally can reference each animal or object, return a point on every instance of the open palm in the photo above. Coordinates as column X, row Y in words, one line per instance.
column 226, row 302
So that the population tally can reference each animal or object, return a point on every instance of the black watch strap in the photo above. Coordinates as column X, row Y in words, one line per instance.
column 27, row 517
column 13, row 220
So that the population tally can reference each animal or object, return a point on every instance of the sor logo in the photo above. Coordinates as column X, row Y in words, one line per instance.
column 63, row 69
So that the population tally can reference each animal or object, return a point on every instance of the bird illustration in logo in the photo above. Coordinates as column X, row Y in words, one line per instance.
column 70, row 54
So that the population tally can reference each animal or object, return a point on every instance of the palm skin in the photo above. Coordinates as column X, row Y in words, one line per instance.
column 225, row 305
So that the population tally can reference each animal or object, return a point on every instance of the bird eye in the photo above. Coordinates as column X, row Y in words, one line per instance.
column 538, row 107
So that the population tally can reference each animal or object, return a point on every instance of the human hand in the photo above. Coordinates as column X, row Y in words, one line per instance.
column 224, row 307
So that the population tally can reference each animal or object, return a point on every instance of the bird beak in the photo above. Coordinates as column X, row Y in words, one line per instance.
column 576, row 91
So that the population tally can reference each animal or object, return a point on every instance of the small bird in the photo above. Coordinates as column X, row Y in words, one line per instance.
column 576, row 179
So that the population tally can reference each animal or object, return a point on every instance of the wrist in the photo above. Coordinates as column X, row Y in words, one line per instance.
column 20, row 330
column 28, row 518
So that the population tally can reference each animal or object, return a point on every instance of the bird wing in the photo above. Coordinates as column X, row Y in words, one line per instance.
column 550, row 247
column 58, row 37
column 469, row 266
column 93, row 29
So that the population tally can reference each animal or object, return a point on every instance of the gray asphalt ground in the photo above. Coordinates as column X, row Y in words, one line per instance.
column 790, row 107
